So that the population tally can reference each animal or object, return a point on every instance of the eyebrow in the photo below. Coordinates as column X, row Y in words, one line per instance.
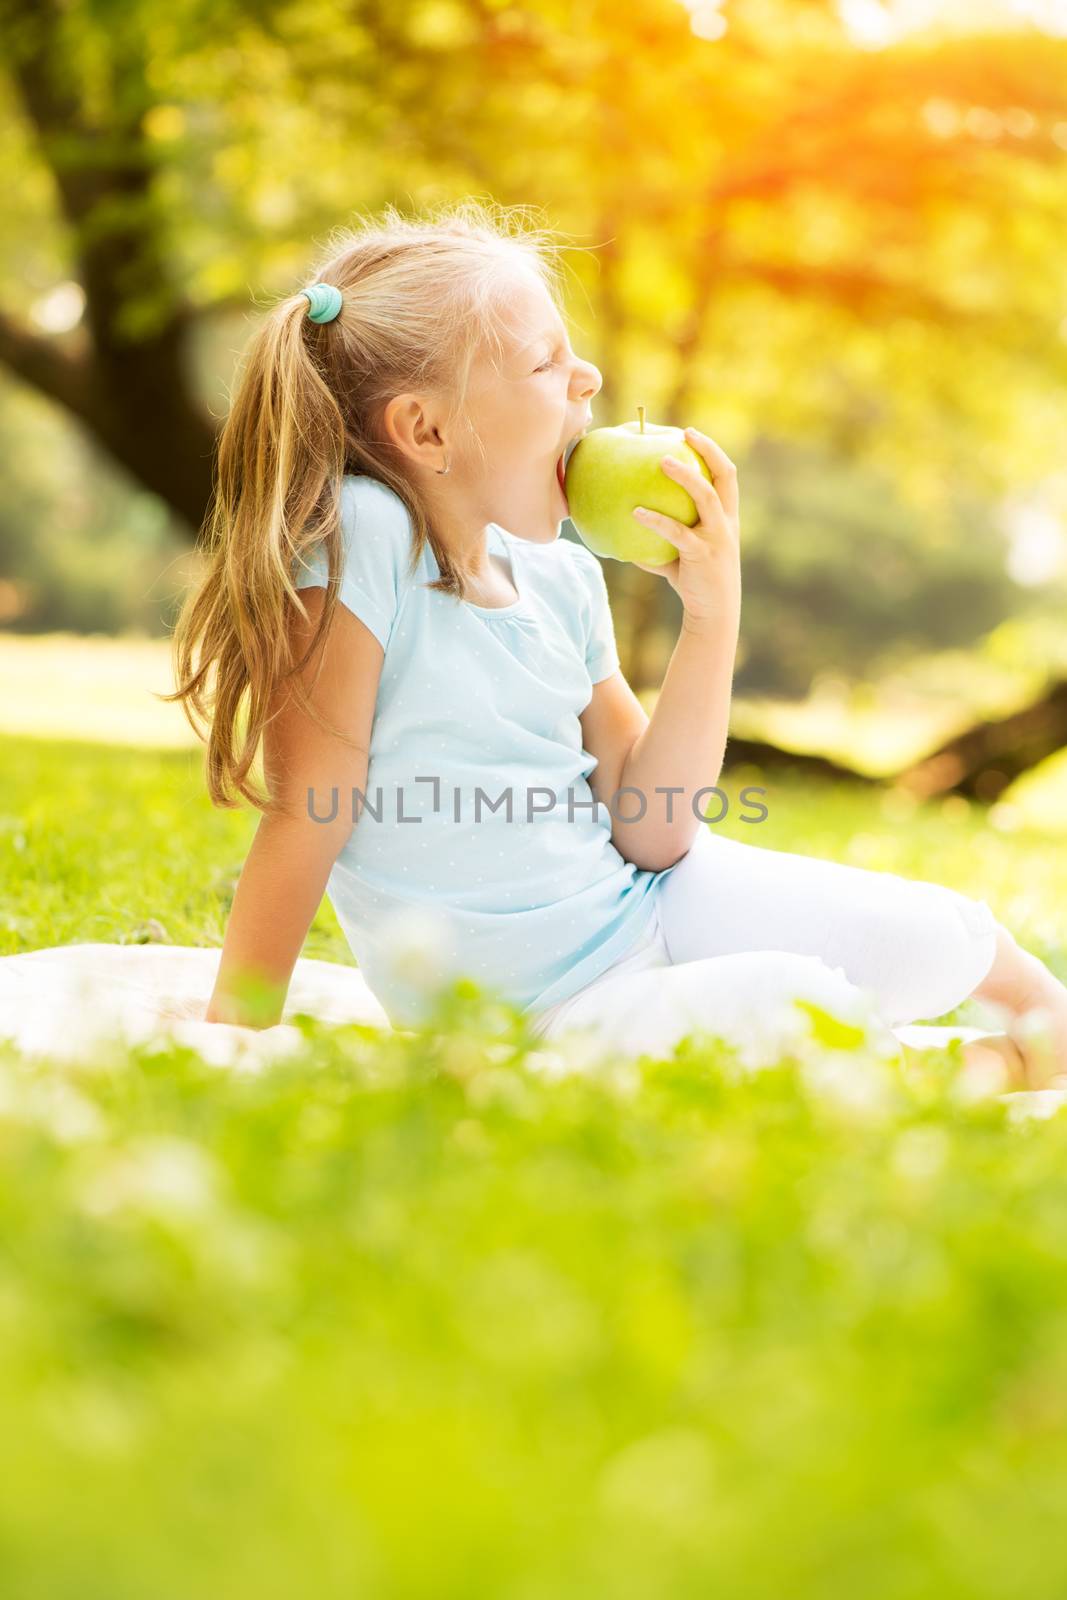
column 553, row 339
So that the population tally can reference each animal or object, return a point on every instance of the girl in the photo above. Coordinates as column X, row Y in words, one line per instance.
column 449, row 747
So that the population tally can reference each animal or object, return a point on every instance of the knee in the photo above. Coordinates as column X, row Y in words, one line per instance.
column 939, row 959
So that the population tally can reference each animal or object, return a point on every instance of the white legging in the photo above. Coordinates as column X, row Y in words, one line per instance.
column 741, row 932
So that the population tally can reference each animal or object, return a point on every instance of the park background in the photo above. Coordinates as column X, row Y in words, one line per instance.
column 829, row 233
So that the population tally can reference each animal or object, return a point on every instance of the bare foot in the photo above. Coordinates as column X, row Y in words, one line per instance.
column 1041, row 1038
column 1008, row 1061
column 1030, row 1004
column 1039, row 1028
column 995, row 1065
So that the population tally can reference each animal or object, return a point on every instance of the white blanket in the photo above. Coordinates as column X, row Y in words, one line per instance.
column 64, row 1000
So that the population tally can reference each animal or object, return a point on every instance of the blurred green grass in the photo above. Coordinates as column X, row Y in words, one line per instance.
column 417, row 1316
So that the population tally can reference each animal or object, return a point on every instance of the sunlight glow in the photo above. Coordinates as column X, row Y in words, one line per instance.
column 1037, row 552
column 60, row 309
column 869, row 22
column 874, row 24
column 705, row 18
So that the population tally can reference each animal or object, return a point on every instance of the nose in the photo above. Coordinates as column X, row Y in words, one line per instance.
column 588, row 380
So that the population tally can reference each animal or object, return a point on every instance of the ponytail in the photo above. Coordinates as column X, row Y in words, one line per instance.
column 418, row 297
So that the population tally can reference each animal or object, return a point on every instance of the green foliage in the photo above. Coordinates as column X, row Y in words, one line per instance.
column 419, row 1316
column 79, row 550
column 842, row 571
column 770, row 232
column 450, row 1313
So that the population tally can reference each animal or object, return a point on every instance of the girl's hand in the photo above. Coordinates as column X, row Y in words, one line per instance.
column 707, row 571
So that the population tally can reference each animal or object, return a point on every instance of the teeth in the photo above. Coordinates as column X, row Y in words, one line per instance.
column 569, row 452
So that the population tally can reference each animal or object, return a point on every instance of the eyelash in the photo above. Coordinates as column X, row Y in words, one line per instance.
column 544, row 366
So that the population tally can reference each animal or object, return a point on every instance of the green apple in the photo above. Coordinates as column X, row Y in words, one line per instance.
column 612, row 470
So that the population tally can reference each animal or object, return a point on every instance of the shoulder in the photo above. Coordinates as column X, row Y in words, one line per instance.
column 594, row 609
column 374, row 557
column 579, row 552
column 568, row 573
column 377, row 512
column 587, row 568
column 583, row 559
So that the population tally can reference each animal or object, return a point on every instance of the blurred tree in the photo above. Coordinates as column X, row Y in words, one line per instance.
column 83, row 75
column 982, row 761
column 846, row 573
column 790, row 234
column 777, row 166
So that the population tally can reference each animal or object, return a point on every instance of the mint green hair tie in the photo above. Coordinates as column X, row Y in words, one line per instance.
column 324, row 301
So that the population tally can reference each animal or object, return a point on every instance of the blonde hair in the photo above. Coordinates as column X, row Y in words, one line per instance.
column 421, row 297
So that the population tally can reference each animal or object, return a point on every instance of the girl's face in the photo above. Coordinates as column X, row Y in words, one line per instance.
column 525, row 406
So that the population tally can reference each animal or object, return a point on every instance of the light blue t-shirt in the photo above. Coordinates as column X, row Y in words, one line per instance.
column 475, row 704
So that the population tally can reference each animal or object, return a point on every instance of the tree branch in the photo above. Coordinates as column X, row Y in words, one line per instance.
column 39, row 361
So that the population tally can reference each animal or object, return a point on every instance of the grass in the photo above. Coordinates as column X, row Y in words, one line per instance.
column 431, row 1316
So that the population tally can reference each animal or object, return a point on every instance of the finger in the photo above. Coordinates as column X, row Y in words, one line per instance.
column 723, row 470
column 708, row 505
column 675, row 533
column 667, row 570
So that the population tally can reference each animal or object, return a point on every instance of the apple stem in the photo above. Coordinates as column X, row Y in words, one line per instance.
column 641, row 419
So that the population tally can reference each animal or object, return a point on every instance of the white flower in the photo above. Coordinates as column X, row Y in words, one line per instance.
column 666, row 1480
column 419, row 948
column 852, row 1081
column 551, row 1065
column 164, row 1176
column 918, row 1155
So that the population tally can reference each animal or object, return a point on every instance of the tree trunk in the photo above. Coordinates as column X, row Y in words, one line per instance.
column 795, row 763
column 130, row 389
column 983, row 760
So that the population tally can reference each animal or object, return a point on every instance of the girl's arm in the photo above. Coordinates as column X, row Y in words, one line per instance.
column 683, row 746
column 285, row 873
column 680, row 750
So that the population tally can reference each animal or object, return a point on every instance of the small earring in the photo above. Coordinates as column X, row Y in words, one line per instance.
column 442, row 470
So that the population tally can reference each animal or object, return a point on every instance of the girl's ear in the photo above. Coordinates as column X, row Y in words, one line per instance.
column 409, row 424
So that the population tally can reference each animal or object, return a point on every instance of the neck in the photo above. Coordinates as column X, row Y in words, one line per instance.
column 463, row 531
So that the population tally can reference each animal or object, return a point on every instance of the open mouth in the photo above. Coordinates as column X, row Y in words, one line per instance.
column 561, row 465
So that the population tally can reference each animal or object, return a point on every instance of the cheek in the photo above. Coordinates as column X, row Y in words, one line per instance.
column 524, row 427
column 532, row 427
column 550, row 412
